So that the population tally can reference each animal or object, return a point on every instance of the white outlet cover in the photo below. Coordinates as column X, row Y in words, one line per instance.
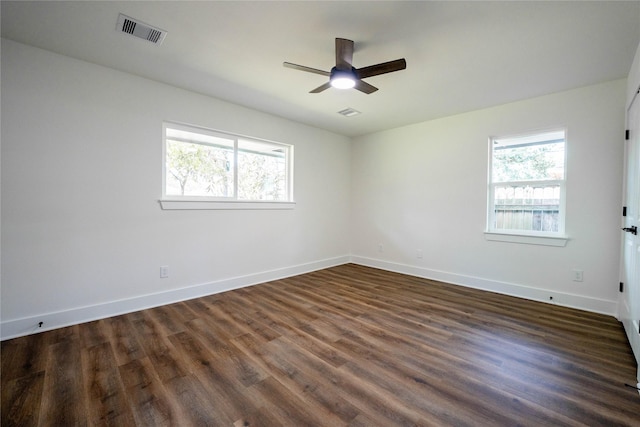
column 164, row 272
column 578, row 275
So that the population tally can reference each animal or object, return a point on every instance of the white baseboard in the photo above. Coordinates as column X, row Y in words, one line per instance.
column 24, row 326
column 19, row 327
column 543, row 295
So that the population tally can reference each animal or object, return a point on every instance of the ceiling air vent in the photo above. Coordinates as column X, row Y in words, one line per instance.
column 139, row 29
column 349, row 112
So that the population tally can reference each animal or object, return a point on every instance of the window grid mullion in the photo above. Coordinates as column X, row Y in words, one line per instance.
column 235, row 169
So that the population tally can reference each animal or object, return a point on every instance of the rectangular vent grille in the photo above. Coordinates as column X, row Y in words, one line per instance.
column 349, row 112
column 139, row 29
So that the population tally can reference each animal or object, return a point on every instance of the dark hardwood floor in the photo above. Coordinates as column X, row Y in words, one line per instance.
column 346, row 346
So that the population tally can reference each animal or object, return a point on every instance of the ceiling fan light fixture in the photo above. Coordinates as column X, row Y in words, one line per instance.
column 342, row 79
column 343, row 82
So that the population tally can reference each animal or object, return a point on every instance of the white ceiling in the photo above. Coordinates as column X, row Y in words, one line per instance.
column 461, row 56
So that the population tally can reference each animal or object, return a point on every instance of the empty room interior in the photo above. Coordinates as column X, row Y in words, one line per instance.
column 320, row 213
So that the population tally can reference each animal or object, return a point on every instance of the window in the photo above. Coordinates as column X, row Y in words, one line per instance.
column 207, row 165
column 527, row 184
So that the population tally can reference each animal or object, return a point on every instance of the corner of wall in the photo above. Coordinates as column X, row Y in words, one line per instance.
column 633, row 80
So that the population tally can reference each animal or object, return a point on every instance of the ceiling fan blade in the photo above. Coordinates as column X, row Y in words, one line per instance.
column 383, row 68
column 307, row 69
column 365, row 87
column 344, row 54
column 319, row 89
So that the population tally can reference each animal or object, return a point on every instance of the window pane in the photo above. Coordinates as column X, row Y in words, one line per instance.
column 198, row 165
column 527, row 183
column 527, row 207
column 217, row 165
column 262, row 171
column 533, row 158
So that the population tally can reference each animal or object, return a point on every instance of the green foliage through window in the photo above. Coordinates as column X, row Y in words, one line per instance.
column 532, row 162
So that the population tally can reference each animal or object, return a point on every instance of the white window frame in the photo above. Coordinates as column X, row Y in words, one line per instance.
column 178, row 202
column 547, row 238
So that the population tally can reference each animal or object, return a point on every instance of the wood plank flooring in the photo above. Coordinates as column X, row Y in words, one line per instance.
column 346, row 346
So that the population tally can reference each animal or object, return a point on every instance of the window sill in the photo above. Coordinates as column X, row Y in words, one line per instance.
column 558, row 241
column 219, row 205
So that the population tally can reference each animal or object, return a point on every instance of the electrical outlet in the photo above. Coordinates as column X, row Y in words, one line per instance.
column 578, row 275
column 164, row 271
column 419, row 253
column 380, row 247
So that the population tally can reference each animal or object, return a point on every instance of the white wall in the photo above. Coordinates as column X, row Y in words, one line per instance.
column 83, row 235
column 424, row 187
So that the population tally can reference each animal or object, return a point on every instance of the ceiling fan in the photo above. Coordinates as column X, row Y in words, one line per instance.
column 344, row 75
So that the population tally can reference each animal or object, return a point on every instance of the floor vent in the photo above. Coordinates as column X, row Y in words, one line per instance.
column 139, row 29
